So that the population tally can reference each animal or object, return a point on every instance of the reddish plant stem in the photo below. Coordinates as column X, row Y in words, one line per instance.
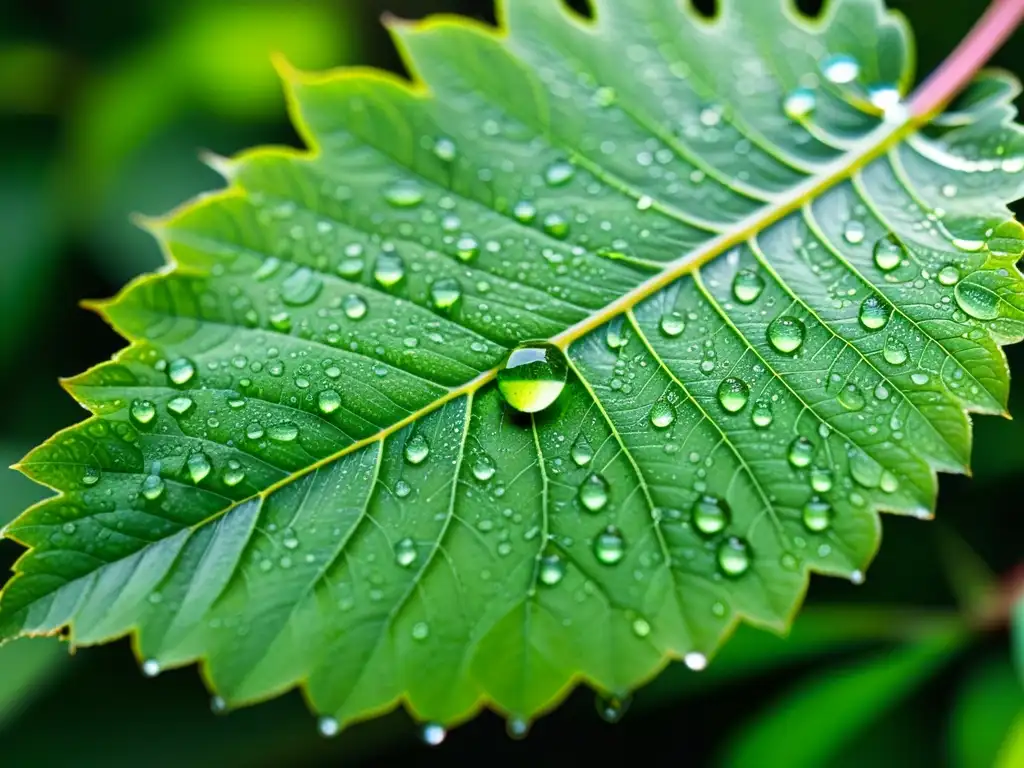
column 997, row 23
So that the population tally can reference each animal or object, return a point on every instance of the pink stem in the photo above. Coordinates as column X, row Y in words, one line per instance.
column 988, row 34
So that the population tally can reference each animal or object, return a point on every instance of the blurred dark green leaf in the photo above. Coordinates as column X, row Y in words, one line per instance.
column 990, row 701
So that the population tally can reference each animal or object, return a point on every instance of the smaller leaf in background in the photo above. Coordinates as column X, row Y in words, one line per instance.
column 989, row 706
column 829, row 710
column 1011, row 753
column 29, row 76
column 971, row 580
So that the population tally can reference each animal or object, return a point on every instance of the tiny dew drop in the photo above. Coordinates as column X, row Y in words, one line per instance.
column 284, row 432
column 354, row 307
column 517, row 728
column 612, row 708
column 609, row 546
column 433, row 734
column 662, row 415
column 181, row 371
column 817, row 515
column 733, row 394
column 799, row 103
column 978, row 301
column 840, row 68
column 483, row 467
column 874, row 313
column 593, row 492
column 301, row 287
column 389, row 269
column 581, row 451
column 417, row 449
column 762, row 415
column 734, row 556
column 710, row 515
column 641, row 627
column 551, row 570
column 405, row 552
column 533, row 376
column 233, row 474
column 445, row 293
column 888, row 253
column 420, row 630
column 672, row 324
column 327, row 726
column 559, row 173
column 747, row 286
column 198, row 467
column 801, row 451
column 142, row 412
column 949, row 275
column 786, row 334
column 328, row 401
column 894, row 351
column 404, row 194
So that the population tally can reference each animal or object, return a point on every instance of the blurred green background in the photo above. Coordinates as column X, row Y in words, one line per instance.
column 104, row 109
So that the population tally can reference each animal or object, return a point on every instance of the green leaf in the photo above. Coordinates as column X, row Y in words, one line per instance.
column 831, row 709
column 302, row 472
column 986, row 710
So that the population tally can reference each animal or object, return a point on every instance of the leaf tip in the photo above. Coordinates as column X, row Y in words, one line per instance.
column 154, row 225
column 287, row 71
column 224, row 166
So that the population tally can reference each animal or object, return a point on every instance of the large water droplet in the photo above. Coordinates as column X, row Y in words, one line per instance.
column 433, row 734
column 949, row 275
column 874, row 313
column 301, row 287
column 734, row 557
column 747, row 285
column 524, row 211
column 672, row 324
column 662, row 414
column 284, row 432
column 234, row 473
column 799, row 103
column 556, row 225
column 817, row 515
column 445, row 293
column 153, row 487
column 821, row 479
column 483, row 467
column 533, row 376
column 551, row 570
column 467, row 247
column 894, row 351
column 417, row 449
column 389, row 269
column 733, row 394
column 762, row 415
column 181, row 371
column 198, row 467
column 142, row 412
column 328, row 727
column 405, row 552
column 354, row 307
column 180, row 405
column 404, row 194
column 593, row 492
column 710, row 515
column 840, row 68
column 978, row 301
column 609, row 546
column 888, row 253
column 328, row 401
column 801, row 451
column 786, row 334
column 581, row 451
column 851, row 398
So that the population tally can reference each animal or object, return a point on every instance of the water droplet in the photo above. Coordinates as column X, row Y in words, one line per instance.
column 799, row 103
column 581, row 451
column 840, row 68
column 559, row 173
column 417, row 449
column 1007, row 240
column 641, row 627
column 267, row 269
column 445, row 293
column 389, row 269
column 612, row 708
column 801, row 451
column 180, row 405
column 181, row 371
column 445, row 149
column 733, row 394
column 710, row 515
column 786, row 334
column 483, row 467
column 284, row 432
column 662, row 414
column 420, row 630
column 672, row 324
column 894, row 351
column 978, row 301
column 949, row 275
column 524, row 211
column 863, row 469
column 747, row 286
column 874, row 313
column 328, row 727
column 142, row 412
column 604, row 96
column 821, row 479
column 354, row 307
column 153, row 487
column 609, row 546
column 281, row 321
column 948, row 190
column 467, row 247
column 404, row 194
column 533, row 376
column 695, row 661
column 327, row 401
column 405, row 552
column 198, row 467
column 885, row 97
column 551, row 571
column 615, row 335
column 888, row 253
column 151, row 667
column 817, row 515
column 517, row 728
column 91, row 476
column 853, row 232
column 734, row 556
column 919, row 378
column 762, row 415
column 851, row 398
column 556, row 225
column 888, row 482
column 433, row 734
column 254, row 431
column 301, row 287
column 68, row 528
column 593, row 492
column 234, row 473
